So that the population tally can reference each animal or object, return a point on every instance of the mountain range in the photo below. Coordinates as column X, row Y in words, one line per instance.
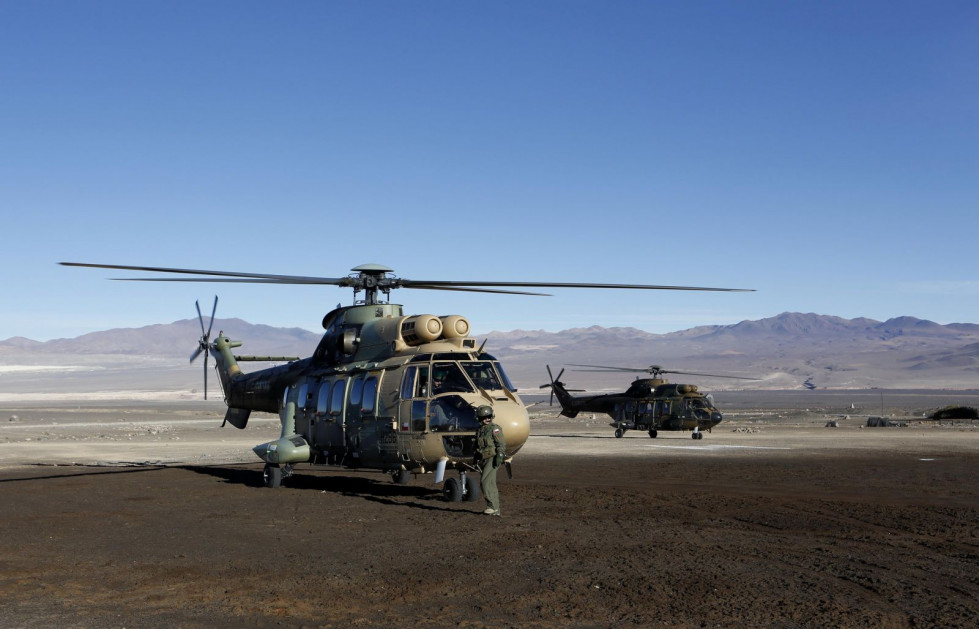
column 780, row 352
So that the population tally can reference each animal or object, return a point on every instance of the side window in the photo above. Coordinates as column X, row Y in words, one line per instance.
column 408, row 383
column 369, row 396
column 418, row 416
column 301, row 398
column 421, row 383
column 336, row 398
column 356, row 391
column 324, row 397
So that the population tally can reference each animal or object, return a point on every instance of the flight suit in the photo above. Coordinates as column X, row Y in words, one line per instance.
column 489, row 444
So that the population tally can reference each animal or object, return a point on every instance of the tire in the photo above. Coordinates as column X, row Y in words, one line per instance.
column 472, row 489
column 402, row 477
column 272, row 475
column 619, row 432
column 452, row 490
column 652, row 433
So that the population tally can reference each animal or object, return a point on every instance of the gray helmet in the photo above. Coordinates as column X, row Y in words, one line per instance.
column 483, row 412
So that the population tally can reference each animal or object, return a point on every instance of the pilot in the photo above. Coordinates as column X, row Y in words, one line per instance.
column 438, row 382
column 490, row 453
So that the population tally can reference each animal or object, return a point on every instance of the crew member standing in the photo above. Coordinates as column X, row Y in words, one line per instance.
column 491, row 451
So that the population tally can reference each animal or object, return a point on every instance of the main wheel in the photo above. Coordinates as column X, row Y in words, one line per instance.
column 619, row 432
column 452, row 490
column 472, row 489
column 272, row 475
column 652, row 433
column 402, row 476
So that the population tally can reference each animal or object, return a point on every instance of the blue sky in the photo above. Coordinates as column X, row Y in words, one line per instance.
column 823, row 153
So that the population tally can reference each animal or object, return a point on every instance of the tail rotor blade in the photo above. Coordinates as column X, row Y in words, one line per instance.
column 204, row 344
column 200, row 317
column 211, row 324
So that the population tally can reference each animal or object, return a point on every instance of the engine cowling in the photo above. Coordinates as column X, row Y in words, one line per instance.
column 421, row 329
column 454, row 326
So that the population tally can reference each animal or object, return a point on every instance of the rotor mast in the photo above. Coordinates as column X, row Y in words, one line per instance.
column 372, row 278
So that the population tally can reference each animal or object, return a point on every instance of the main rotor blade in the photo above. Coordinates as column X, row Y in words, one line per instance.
column 312, row 281
column 709, row 375
column 433, row 284
column 604, row 368
column 197, row 352
column 298, row 279
column 385, row 283
column 651, row 369
column 478, row 290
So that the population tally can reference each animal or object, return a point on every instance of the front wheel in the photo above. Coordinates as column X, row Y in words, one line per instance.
column 652, row 433
column 452, row 490
column 619, row 432
column 272, row 475
column 402, row 476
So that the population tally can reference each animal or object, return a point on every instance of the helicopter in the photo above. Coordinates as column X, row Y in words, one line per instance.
column 382, row 390
column 650, row 404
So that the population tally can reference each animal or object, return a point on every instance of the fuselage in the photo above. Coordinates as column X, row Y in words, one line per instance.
column 648, row 405
column 381, row 402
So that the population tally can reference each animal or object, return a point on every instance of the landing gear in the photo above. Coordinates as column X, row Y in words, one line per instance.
column 272, row 475
column 452, row 490
column 697, row 435
column 401, row 477
column 463, row 488
column 652, row 433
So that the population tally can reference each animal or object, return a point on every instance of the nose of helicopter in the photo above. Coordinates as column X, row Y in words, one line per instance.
column 515, row 422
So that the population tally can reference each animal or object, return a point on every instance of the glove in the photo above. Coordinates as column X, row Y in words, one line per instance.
column 498, row 460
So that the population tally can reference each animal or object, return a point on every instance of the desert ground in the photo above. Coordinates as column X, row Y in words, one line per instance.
column 144, row 513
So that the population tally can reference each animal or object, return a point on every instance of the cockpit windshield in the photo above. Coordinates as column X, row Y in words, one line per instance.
column 483, row 375
column 504, row 378
column 448, row 378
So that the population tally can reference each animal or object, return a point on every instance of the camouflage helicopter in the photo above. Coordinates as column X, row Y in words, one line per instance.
column 382, row 390
column 650, row 404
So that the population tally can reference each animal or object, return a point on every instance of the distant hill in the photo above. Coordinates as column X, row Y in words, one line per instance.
column 781, row 351
column 173, row 339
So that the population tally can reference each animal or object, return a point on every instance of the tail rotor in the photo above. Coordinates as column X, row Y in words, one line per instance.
column 204, row 344
column 551, row 384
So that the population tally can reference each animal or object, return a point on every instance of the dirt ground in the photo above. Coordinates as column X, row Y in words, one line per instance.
column 148, row 515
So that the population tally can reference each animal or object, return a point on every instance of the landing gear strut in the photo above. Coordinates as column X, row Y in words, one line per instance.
column 272, row 475
column 465, row 488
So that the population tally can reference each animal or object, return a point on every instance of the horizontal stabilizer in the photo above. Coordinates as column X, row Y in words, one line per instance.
column 237, row 417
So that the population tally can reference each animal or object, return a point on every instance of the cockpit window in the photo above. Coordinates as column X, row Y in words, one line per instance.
column 451, row 413
column 483, row 375
column 448, row 378
column 506, row 379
